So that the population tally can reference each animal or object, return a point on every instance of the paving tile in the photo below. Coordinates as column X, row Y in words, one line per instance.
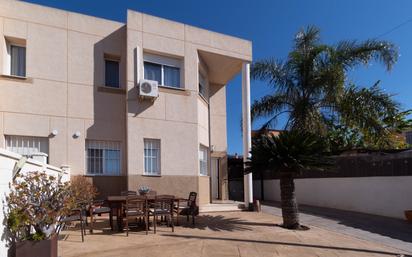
column 230, row 234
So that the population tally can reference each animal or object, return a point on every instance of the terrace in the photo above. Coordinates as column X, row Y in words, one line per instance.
column 221, row 234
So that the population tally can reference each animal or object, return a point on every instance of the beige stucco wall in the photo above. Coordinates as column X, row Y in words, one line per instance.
column 64, row 89
column 65, row 67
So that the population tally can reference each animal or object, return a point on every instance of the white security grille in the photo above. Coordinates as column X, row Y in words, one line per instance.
column 203, row 157
column 27, row 146
column 151, row 156
column 103, row 157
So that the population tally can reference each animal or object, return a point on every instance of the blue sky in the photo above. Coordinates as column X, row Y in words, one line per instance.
column 271, row 26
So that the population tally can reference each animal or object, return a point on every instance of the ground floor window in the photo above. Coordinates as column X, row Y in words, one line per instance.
column 152, row 157
column 103, row 157
column 27, row 146
column 203, row 157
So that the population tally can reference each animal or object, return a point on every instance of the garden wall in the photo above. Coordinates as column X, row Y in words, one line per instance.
column 385, row 196
column 7, row 162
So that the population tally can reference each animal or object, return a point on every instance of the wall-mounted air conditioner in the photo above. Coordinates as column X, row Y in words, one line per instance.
column 148, row 88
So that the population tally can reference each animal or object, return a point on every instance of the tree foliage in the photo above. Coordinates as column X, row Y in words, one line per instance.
column 289, row 152
column 311, row 87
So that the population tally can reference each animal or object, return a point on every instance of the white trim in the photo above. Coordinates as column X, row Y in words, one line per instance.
column 247, row 138
column 157, row 145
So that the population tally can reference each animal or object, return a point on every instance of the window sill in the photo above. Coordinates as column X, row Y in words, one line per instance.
column 149, row 175
column 111, row 90
column 16, row 78
column 174, row 90
column 102, row 175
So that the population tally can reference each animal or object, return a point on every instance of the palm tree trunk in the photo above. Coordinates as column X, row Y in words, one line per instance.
column 289, row 205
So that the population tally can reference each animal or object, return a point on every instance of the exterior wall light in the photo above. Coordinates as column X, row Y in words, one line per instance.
column 55, row 132
column 76, row 134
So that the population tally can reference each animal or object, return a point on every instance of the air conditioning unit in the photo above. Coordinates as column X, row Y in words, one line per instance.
column 148, row 88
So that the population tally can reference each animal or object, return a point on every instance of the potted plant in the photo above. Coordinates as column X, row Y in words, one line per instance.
column 35, row 204
column 143, row 190
column 82, row 190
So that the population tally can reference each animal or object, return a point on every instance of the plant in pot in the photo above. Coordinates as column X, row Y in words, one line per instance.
column 143, row 190
column 35, row 203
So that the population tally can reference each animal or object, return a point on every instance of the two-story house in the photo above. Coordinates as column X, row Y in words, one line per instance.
column 70, row 87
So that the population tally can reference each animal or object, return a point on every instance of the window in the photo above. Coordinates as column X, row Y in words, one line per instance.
column 17, row 56
column 153, row 71
column 112, row 73
column 103, row 157
column 27, row 146
column 164, row 70
column 151, row 157
column 203, row 157
column 202, row 85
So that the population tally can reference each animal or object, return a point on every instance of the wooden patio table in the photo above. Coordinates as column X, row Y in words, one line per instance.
column 116, row 202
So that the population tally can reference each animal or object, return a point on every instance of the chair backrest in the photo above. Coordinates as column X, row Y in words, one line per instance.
column 191, row 202
column 126, row 193
column 152, row 192
column 164, row 202
column 136, row 203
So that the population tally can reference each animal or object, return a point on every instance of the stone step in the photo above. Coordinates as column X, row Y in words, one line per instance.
column 220, row 207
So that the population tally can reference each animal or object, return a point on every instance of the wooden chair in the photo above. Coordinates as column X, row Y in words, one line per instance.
column 99, row 207
column 136, row 207
column 152, row 193
column 191, row 209
column 127, row 193
column 163, row 207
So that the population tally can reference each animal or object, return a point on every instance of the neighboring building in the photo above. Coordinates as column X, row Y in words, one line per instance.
column 69, row 87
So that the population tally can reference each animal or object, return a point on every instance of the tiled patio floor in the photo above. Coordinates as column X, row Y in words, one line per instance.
column 220, row 234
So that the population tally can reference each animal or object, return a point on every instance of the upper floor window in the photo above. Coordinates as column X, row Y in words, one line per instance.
column 112, row 73
column 103, row 157
column 164, row 70
column 27, row 146
column 202, row 86
column 15, row 58
column 151, row 156
column 18, row 60
column 203, row 158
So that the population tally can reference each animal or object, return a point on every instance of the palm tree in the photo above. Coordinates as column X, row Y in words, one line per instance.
column 310, row 86
column 287, row 155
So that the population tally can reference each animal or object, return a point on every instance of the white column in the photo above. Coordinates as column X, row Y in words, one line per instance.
column 247, row 138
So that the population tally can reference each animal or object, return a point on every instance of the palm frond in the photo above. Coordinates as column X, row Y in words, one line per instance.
column 352, row 53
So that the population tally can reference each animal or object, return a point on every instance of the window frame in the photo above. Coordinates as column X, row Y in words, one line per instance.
column 157, row 173
column 7, row 69
column 118, row 71
column 202, row 79
column 41, row 142
column 164, row 61
column 206, row 161
column 103, row 146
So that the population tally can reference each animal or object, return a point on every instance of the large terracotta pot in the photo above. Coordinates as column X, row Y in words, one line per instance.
column 44, row 248
column 408, row 215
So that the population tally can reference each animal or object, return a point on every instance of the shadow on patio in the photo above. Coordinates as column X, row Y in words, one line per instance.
column 287, row 244
column 221, row 223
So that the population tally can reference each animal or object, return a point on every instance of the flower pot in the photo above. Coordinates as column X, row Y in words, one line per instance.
column 43, row 248
column 408, row 215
